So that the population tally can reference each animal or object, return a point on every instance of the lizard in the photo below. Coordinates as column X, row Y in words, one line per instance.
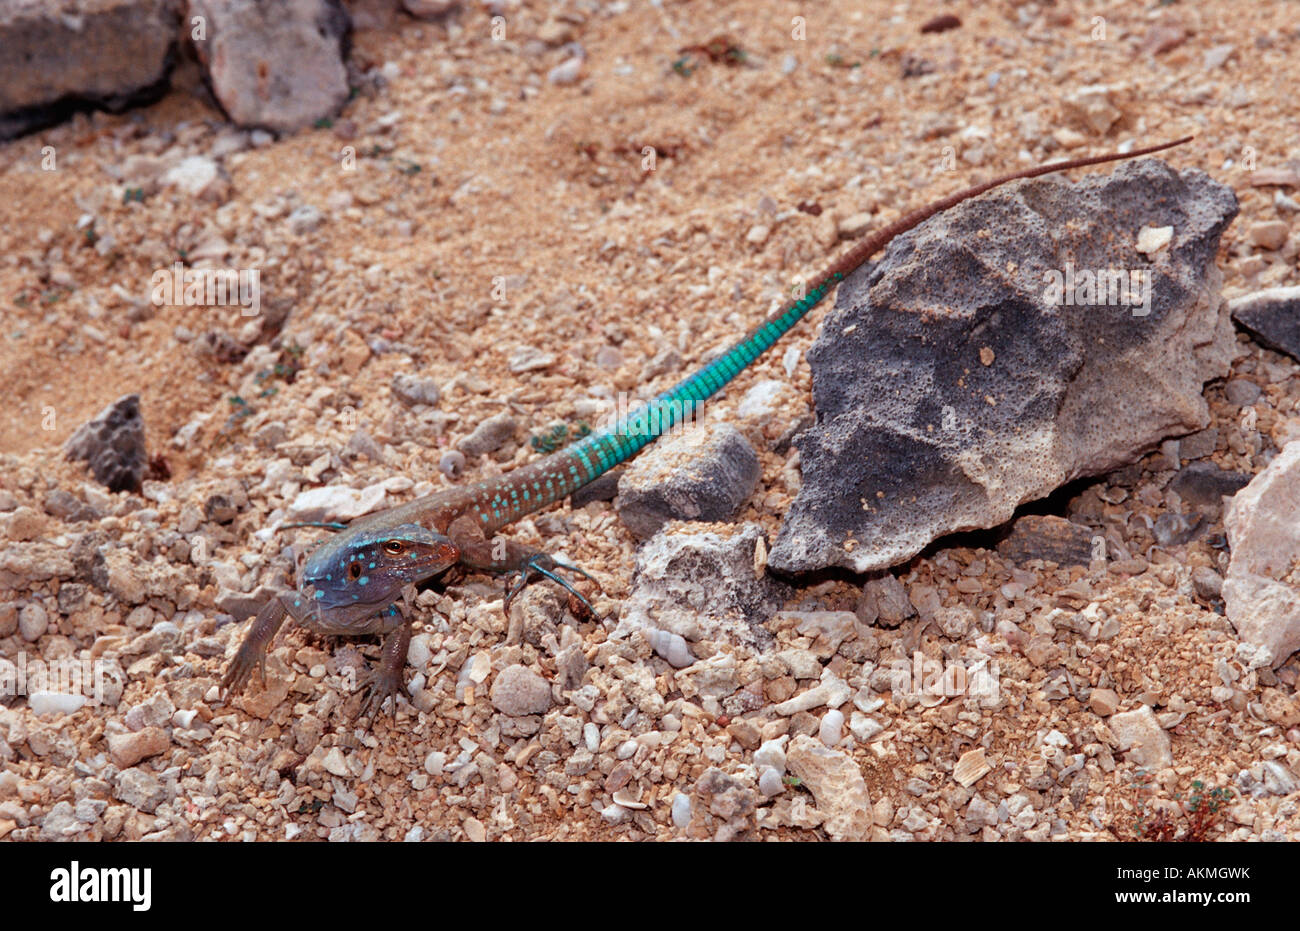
column 360, row 581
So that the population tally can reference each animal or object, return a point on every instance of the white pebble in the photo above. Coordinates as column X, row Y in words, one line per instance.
column 54, row 702
column 615, row 814
column 184, row 718
column 334, row 762
column 1154, row 238
column 672, row 647
column 863, row 727
column 681, row 810
column 566, row 72
column 32, row 622
column 832, row 728
column 418, row 653
column 434, row 762
column 626, row 749
column 772, row 754
column 770, row 782
column 591, row 736
column 415, row 835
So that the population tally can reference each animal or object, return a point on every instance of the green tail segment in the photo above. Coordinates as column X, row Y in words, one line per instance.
column 602, row 451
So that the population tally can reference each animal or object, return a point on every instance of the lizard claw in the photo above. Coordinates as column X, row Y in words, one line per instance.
column 240, row 671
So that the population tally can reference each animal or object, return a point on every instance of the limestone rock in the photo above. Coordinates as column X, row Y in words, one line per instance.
column 1261, row 592
column 276, row 66
column 125, row 750
column 722, row 808
column 56, row 58
column 704, row 474
column 954, row 381
column 836, row 784
column 704, row 586
column 1141, row 737
column 518, row 690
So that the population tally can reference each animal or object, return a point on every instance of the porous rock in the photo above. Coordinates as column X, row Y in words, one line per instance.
column 518, row 690
column 837, row 786
column 953, row 381
column 1142, row 739
column 1272, row 317
column 704, row 586
column 113, row 444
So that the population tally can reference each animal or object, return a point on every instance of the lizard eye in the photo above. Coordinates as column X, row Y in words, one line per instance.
column 354, row 571
column 393, row 547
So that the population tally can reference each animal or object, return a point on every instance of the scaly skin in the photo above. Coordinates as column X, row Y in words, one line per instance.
column 352, row 584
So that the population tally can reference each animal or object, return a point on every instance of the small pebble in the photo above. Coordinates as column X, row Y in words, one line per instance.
column 1241, row 392
column 770, row 782
column 1270, row 234
column 452, row 464
column 54, row 702
column 567, row 72
column 832, row 727
column 681, row 810
column 32, row 622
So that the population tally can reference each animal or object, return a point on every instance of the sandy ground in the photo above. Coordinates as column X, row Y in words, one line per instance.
column 471, row 211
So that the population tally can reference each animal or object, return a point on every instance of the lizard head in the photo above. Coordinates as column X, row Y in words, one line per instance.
column 369, row 567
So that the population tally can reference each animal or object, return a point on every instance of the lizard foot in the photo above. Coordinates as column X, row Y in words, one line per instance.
column 380, row 685
column 542, row 565
column 252, row 651
column 241, row 668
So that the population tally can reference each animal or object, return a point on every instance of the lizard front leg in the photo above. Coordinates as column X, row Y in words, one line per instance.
column 252, row 652
column 384, row 680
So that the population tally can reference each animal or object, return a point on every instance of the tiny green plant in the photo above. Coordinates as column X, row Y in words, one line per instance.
column 1191, row 820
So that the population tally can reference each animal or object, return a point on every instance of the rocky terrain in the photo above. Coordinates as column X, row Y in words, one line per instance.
column 519, row 214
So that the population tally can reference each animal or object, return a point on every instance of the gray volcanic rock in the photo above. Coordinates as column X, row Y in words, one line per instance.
column 113, row 444
column 59, row 57
column 275, row 65
column 953, row 382
column 1273, row 318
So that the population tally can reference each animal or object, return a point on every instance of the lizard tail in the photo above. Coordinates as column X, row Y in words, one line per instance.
column 567, row 470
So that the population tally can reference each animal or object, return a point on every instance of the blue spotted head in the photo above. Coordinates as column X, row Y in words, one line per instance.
column 363, row 570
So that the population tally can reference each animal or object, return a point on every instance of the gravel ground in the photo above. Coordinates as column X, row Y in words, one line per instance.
column 500, row 240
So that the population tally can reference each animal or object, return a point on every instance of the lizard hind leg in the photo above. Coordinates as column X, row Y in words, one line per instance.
column 507, row 557
column 546, row 566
